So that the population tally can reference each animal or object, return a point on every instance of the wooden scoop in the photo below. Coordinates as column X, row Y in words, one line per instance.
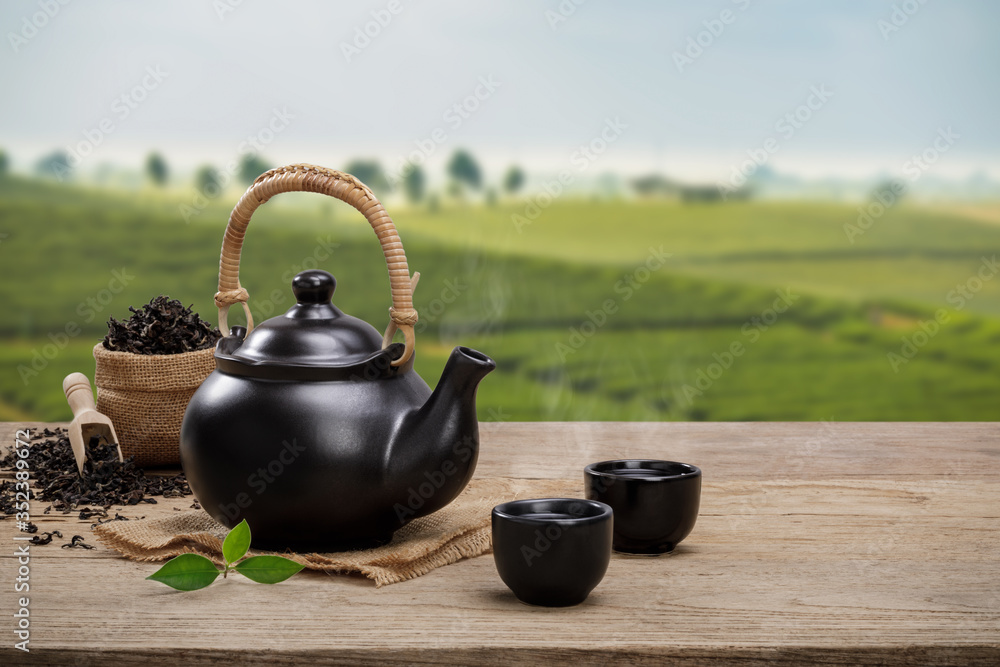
column 87, row 421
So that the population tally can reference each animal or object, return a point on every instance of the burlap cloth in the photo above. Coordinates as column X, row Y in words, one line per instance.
column 145, row 396
column 460, row 530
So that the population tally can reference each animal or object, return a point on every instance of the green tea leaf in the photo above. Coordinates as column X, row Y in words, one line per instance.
column 268, row 569
column 237, row 542
column 187, row 572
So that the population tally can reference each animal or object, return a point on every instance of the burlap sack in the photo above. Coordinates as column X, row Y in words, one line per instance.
column 145, row 396
column 460, row 530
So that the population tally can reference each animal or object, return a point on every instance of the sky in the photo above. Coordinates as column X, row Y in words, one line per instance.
column 689, row 89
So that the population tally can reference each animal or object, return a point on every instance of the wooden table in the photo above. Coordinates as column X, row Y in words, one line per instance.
column 834, row 543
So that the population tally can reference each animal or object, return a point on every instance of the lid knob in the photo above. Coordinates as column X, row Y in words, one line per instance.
column 314, row 286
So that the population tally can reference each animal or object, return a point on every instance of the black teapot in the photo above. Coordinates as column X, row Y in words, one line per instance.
column 314, row 427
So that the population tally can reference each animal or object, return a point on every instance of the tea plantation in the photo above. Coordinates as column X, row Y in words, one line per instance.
column 594, row 310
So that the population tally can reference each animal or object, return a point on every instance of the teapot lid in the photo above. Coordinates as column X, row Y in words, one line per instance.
column 312, row 334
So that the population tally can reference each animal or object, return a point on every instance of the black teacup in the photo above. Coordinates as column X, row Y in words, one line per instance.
column 655, row 502
column 552, row 551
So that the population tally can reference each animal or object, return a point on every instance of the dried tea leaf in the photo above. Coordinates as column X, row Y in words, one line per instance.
column 77, row 542
column 162, row 326
column 106, row 480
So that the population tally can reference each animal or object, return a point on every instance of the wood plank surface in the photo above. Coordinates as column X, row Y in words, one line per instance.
column 817, row 543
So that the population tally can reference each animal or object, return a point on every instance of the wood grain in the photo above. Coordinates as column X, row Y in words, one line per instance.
column 834, row 544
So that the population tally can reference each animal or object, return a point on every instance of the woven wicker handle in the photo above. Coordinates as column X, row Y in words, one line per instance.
column 310, row 178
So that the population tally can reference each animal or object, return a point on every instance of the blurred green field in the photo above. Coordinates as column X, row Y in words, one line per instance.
column 529, row 298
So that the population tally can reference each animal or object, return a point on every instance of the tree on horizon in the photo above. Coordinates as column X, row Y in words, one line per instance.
column 207, row 181
column 250, row 167
column 371, row 174
column 464, row 172
column 156, row 169
column 55, row 164
column 414, row 183
column 513, row 180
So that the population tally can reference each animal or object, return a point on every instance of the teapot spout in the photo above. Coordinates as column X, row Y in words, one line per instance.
column 461, row 376
column 438, row 445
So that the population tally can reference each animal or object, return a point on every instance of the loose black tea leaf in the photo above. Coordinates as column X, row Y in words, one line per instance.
column 77, row 542
column 45, row 538
column 117, row 517
column 7, row 497
column 162, row 326
column 105, row 482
